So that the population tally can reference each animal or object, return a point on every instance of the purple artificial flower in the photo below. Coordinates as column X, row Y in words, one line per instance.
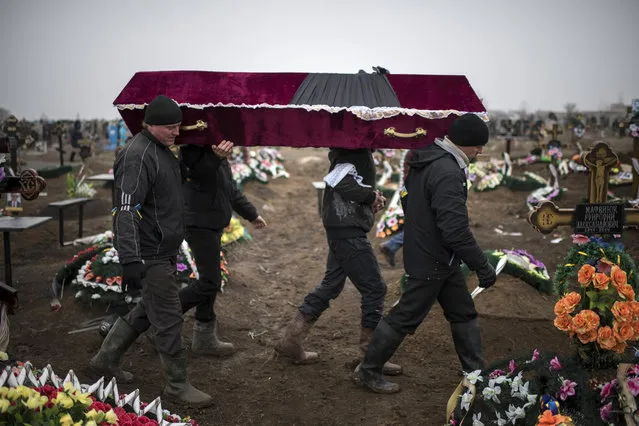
column 607, row 389
column 633, row 385
column 535, row 356
column 496, row 373
column 555, row 364
column 181, row 267
column 605, row 411
column 512, row 366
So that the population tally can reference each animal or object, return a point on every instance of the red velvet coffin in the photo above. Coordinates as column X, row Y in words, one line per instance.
column 255, row 108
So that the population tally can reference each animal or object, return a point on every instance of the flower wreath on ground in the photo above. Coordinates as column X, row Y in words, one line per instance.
column 40, row 397
column 261, row 164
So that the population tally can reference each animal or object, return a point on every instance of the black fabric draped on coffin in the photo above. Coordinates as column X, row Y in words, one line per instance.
column 346, row 90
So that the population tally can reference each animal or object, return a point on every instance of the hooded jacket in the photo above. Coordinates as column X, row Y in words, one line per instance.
column 210, row 192
column 437, row 235
column 148, row 218
column 347, row 206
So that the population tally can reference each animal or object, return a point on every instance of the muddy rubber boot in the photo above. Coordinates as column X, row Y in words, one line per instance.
column 369, row 373
column 107, row 361
column 365, row 336
column 467, row 340
column 206, row 341
column 178, row 389
column 388, row 255
column 291, row 344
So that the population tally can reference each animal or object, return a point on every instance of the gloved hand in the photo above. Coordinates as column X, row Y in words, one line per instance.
column 132, row 274
column 487, row 275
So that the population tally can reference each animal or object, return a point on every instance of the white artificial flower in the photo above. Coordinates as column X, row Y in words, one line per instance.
column 105, row 259
column 515, row 413
column 521, row 391
column 491, row 393
column 477, row 420
column 500, row 421
column 116, row 259
column 532, row 399
column 474, row 377
column 466, row 399
column 498, row 380
column 95, row 296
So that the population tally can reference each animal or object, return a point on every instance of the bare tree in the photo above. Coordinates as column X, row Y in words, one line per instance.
column 570, row 108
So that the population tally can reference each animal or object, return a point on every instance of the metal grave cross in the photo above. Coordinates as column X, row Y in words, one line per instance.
column 596, row 216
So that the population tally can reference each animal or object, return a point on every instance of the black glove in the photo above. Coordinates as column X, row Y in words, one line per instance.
column 132, row 274
column 487, row 275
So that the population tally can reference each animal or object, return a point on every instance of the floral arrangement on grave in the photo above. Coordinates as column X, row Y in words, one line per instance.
column 540, row 390
column 603, row 318
column 77, row 187
column 633, row 130
column 260, row 165
column 36, row 402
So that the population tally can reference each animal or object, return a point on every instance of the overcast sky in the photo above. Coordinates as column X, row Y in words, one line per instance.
column 69, row 57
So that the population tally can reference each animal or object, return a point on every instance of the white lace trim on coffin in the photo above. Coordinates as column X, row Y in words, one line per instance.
column 364, row 113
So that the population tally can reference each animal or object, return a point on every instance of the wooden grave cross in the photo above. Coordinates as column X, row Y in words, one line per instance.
column 596, row 216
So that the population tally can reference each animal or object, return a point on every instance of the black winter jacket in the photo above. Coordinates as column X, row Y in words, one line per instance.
column 148, row 218
column 347, row 206
column 210, row 191
column 436, row 233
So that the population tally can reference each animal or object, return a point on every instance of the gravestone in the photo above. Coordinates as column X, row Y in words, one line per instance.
column 596, row 217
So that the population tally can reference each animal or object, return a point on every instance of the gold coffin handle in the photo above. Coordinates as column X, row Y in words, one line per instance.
column 199, row 125
column 418, row 133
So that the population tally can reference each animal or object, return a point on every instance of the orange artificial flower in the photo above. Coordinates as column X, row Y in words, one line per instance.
column 606, row 338
column 622, row 311
column 586, row 275
column 601, row 281
column 588, row 337
column 585, row 321
column 571, row 300
column 561, row 308
column 634, row 307
column 118, row 280
column 623, row 331
column 626, row 291
column 563, row 322
column 620, row 348
column 618, row 276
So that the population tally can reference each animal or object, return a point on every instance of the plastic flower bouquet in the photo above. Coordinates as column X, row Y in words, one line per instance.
column 603, row 317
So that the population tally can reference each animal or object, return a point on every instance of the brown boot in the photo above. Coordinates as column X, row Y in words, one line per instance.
column 291, row 344
column 390, row 369
column 206, row 342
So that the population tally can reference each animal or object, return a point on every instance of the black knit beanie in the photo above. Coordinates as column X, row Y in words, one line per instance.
column 162, row 111
column 468, row 130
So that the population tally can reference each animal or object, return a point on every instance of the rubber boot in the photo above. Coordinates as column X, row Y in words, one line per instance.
column 381, row 348
column 365, row 336
column 290, row 346
column 178, row 389
column 467, row 341
column 107, row 361
column 206, row 342
column 150, row 338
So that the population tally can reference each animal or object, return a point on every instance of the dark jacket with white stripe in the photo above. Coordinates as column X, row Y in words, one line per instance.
column 148, row 221
column 347, row 206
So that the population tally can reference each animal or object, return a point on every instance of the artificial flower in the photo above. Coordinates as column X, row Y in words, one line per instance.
column 601, row 280
column 563, row 323
column 585, row 321
column 567, row 389
column 474, row 377
column 626, row 291
column 607, row 389
column 618, row 276
column 555, row 365
column 512, row 366
column 606, row 338
column 586, row 275
column 622, row 311
column 605, row 412
column 623, row 331
column 491, row 393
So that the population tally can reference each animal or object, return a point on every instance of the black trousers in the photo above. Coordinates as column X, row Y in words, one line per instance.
column 353, row 258
column 205, row 245
column 160, row 306
column 419, row 295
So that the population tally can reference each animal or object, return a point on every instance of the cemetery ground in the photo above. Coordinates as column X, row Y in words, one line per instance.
column 270, row 275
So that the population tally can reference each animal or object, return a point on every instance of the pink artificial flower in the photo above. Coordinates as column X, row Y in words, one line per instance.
column 580, row 239
column 604, row 412
column 633, row 384
column 512, row 366
column 181, row 267
column 453, row 422
column 535, row 355
column 634, row 370
column 567, row 389
column 607, row 389
column 496, row 373
column 555, row 364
